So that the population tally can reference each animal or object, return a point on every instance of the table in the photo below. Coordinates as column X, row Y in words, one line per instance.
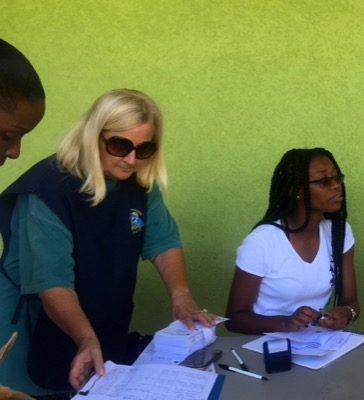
column 341, row 380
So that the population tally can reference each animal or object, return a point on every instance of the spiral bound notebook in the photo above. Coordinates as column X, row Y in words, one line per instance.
column 352, row 340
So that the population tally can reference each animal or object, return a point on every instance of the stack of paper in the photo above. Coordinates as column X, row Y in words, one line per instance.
column 176, row 340
column 313, row 342
column 313, row 347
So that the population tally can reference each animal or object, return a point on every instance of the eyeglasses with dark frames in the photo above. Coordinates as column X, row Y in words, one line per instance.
column 119, row 146
column 326, row 181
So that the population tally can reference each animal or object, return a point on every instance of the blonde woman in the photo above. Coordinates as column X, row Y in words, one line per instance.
column 80, row 222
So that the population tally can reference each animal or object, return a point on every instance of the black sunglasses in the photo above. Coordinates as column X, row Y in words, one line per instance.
column 326, row 181
column 120, row 147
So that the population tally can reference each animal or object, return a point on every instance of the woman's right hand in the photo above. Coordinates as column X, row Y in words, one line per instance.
column 302, row 317
column 63, row 308
column 88, row 358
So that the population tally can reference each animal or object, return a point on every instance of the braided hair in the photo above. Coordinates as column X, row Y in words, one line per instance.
column 289, row 176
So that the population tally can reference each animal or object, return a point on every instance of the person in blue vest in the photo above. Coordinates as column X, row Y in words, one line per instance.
column 22, row 100
column 74, row 227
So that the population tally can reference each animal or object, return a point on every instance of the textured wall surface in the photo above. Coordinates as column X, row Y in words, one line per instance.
column 239, row 82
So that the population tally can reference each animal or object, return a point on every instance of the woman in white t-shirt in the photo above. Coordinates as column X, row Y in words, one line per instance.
column 300, row 253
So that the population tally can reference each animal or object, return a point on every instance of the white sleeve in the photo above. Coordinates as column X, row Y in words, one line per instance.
column 252, row 253
column 349, row 238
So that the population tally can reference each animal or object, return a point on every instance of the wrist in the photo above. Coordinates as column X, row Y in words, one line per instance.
column 181, row 291
column 352, row 315
column 282, row 324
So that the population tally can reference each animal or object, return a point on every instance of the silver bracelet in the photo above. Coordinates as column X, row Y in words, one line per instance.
column 353, row 314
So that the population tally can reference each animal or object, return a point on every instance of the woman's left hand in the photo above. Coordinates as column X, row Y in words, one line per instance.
column 337, row 318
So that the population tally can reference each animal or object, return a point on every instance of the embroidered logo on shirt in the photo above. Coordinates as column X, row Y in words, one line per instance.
column 136, row 221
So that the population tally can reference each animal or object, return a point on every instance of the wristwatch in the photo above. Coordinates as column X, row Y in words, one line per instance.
column 353, row 314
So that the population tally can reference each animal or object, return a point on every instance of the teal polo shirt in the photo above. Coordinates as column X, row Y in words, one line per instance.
column 40, row 257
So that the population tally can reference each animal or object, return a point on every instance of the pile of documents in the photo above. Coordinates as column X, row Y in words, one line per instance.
column 176, row 340
column 313, row 342
column 313, row 347
column 151, row 381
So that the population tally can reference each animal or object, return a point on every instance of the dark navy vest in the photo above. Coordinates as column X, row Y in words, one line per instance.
column 108, row 240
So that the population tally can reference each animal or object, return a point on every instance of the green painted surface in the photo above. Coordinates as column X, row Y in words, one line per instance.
column 239, row 82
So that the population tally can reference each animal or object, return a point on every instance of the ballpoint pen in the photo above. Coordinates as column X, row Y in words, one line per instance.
column 239, row 360
column 240, row 371
column 92, row 376
column 323, row 315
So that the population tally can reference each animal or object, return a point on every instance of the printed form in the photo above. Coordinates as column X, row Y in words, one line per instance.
column 148, row 382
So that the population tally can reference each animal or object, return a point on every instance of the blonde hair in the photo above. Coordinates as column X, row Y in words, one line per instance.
column 116, row 110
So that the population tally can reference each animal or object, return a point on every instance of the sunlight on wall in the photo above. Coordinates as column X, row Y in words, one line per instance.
column 239, row 82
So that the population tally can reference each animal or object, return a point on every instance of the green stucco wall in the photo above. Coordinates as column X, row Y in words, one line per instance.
column 239, row 82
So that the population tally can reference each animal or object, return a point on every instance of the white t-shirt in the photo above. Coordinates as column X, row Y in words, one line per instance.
column 288, row 282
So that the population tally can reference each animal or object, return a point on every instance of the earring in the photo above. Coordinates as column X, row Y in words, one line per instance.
column 298, row 197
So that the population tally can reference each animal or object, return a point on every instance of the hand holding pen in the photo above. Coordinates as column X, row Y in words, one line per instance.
column 302, row 317
column 322, row 316
column 336, row 318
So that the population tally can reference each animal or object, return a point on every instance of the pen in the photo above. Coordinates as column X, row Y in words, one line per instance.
column 86, row 392
column 239, row 360
column 239, row 371
column 323, row 315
